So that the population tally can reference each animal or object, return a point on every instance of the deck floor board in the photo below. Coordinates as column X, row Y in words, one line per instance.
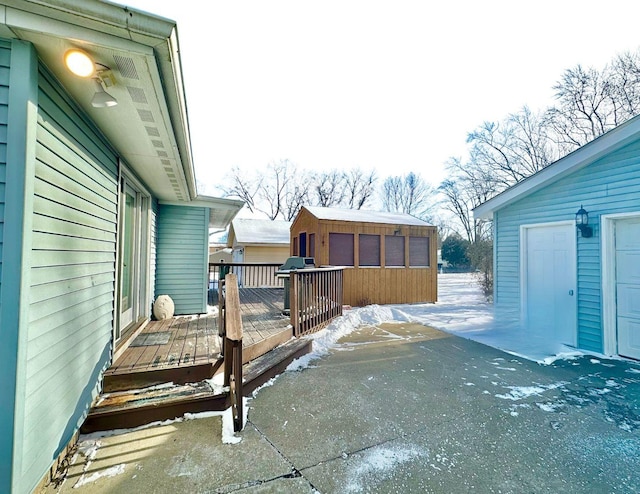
column 194, row 339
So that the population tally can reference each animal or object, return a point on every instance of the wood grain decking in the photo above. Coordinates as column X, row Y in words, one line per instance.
column 191, row 343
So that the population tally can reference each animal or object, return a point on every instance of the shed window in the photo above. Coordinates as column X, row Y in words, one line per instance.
column 312, row 245
column 418, row 251
column 393, row 250
column 303, row 244
column 341, row 249
column 369, row 250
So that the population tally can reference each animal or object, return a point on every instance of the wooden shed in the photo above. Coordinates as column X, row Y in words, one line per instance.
column 390, row 257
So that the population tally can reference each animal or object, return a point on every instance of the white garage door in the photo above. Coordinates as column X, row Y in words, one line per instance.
column 550, row 282
column 627, row 238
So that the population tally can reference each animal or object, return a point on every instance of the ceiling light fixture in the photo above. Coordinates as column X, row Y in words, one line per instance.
column 102, row 99
column 79, row 62
column 82, row 65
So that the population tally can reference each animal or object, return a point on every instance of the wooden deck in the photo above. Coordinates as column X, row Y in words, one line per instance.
column 187, row 348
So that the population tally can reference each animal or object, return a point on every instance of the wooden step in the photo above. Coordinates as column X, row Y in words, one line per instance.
column 259, row 371
column 128, row 409
column 125, row 379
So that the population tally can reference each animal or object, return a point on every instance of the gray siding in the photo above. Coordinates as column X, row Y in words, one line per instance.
column 72, row 277
column 610, row 185
column 182, row 257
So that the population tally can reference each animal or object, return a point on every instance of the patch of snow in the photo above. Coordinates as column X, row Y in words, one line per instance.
column 109, row 472
column 521, row 392
column 549, row 407
column 632, row 370
column 378, row 463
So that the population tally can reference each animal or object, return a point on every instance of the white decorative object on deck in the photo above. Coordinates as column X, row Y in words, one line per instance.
column 163, row 307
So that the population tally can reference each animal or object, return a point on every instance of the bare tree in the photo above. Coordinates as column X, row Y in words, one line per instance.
column 409, row 194
column 359, row 187
column 329, row 188
column 468, row 187
column 243, row 187
column 282, row 189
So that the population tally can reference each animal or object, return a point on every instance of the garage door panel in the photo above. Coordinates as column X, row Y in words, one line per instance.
column 628, row 298
column 628, row 337
column 627, row 234
column 627, row 238
column 628, row 266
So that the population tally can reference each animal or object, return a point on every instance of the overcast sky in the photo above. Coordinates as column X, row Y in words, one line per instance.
column 393, row 85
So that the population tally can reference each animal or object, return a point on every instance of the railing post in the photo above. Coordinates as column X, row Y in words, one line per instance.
column 233, row 348
column 294, row 302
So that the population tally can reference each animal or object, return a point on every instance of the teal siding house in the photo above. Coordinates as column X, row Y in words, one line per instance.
column 99, row 212
column 567, row 246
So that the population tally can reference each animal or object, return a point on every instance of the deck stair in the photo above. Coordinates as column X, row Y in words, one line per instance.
column 135, row 407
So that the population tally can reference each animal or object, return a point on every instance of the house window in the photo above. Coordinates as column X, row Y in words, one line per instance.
column 312, row 245
column 369, row 250
column 341, row 249
column 418, row 251
column 295, row 246
column 303, row 244
column 393, row 250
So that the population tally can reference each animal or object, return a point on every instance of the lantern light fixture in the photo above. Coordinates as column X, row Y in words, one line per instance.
column 582, row 223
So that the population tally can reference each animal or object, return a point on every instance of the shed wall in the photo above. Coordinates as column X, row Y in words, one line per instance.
column 609, row 185
column 254, row 253
column 182, row 257
column 374, row 285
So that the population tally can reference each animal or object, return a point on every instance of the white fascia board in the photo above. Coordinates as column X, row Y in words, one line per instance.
column 578, row 159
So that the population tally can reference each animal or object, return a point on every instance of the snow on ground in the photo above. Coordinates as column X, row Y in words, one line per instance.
column 461, row 309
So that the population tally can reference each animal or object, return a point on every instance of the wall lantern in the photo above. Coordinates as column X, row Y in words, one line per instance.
column 582, row 222
column 81, row 64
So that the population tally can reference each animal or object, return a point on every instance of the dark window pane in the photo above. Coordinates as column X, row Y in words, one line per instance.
column 369, row 250
column 341, row 249
column 393, row 251
column 312, row 245
column 418, row 251
column 303, row 245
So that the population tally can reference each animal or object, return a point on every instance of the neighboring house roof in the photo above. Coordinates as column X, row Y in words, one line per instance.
column 148, row 127
column 362, row 216
column 245, row 231
column 607, row 143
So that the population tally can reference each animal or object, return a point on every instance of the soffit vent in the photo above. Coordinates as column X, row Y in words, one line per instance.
column 163, row 154
column 126, row 67
column 157, row 144
column 152, row 132
column 145, row 115
column 137, row 95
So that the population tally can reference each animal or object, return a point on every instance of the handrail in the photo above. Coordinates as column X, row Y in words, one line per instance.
column 316, row 298
column 230, row 328
column 250, row 274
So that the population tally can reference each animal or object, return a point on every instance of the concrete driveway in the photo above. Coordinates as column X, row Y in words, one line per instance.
column 399, row 408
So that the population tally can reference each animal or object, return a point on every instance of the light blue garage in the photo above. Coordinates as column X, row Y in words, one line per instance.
column 579, row 286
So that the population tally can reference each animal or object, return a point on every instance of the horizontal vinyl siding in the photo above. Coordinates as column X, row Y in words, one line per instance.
column 72, row 276
column 5, row 60
column 8, row 328
column 609, row 185
column 181, row 257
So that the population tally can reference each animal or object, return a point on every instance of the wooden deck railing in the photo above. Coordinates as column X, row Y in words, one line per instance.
column 315, row 298
column 250, row 275
column 230, row 329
